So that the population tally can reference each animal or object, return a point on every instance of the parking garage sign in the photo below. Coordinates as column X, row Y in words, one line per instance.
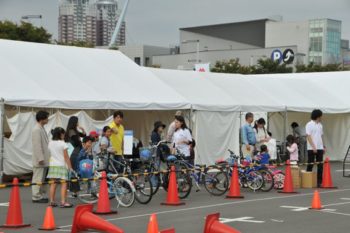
column 286, row 57
column 276, row 55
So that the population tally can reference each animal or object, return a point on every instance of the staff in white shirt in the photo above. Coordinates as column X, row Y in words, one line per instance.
column 315, row 145
column 182, row 137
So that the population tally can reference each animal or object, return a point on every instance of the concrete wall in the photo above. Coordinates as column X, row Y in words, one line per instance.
column 288, row 33
column 246, row 57
column 208, row 43
column 143, row 52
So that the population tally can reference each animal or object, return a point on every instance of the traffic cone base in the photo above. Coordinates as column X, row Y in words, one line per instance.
column 84, row 219
column 233, row 197
column 14, row 227
column 172, row 196
column 170, row 230
column 14, row 212
column 49, row 220
column 328, row 187
column 288, row 192
column 103, row 204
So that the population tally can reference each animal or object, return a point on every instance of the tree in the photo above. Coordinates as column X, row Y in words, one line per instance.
column 319, row 68
column 268, row 66
column 78, row 44
column 23, row 32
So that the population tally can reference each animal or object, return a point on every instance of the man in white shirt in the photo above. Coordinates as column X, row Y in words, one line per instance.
column 315, row 145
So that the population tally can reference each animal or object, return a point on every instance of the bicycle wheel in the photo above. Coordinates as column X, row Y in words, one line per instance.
column 88, row 191
column 184, row 181
column 124, row 191
column 216, row 182
column 155, row 180
column 279, row 180
column 254, row 180
column 268, row 180
column 143, row 187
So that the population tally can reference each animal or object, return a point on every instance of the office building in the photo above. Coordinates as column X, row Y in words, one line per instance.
column 92, row 21
column 294, row 43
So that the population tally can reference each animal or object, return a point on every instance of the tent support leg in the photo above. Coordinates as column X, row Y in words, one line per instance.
column 2, row 122
column 190, row 118
column 285, row 130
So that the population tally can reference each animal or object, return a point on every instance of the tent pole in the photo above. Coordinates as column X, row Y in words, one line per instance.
column 285, row 129
column 190, row 117
column 2, row 122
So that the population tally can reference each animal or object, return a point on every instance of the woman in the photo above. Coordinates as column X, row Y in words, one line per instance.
column 156, row 136
column 182, row 137
column 261, row 134
column 59, row 166
column 74, row 132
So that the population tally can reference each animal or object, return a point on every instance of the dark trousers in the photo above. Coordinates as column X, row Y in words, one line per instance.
column 311, row 159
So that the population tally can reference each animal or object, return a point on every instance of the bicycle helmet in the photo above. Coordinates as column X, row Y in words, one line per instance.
column 145, row 154
column 171, row 158
column 86, row 168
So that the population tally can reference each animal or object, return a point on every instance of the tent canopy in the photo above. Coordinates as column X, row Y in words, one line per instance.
column 42, row 75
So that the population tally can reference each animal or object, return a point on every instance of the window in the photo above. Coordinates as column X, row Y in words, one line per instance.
column 137, row 60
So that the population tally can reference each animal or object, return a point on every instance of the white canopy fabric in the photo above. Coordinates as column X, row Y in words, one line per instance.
column 52, row 76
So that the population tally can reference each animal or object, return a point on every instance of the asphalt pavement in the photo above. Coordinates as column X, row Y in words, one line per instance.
column 261, row 212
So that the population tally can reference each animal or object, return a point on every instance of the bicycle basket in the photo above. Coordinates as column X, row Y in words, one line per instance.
column 145, row 154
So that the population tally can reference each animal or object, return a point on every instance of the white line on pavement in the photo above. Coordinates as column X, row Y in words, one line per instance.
column 222, row 204
column 242, row 219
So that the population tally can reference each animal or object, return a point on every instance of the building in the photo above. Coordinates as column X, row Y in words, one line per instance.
column 295, row 43
column 77, row 21
column 92, row 21
column 106, row 20
column 143, row 54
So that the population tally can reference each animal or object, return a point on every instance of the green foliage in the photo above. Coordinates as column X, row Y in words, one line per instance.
column 265, row 66
column 318, row 68
column 23, row 32
column 78, row 44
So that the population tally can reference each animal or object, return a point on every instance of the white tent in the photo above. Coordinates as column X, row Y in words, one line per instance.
column 60, row 77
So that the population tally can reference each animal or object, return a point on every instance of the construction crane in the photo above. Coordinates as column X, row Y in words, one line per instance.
column 119, row 25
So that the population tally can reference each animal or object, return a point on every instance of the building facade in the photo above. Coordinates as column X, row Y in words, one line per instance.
column 143, row 54
column 317, row 41
column 90, row 21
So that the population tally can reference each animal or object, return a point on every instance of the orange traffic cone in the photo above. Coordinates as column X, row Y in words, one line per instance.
column 153, row 226
column 49, row 220
column 327, row 182
column 213, row 225
column 14, row 213
column 84, row 219
column 172, row 197
column 316, row 202
column 234, row 191
column 103, row 205
column 288, row 180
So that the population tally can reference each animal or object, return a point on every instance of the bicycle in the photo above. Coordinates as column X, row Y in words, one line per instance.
column 120, row 188
column 248, row 176
column 215, row 180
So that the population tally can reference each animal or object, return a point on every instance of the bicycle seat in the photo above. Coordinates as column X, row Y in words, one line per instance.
column 171, row 158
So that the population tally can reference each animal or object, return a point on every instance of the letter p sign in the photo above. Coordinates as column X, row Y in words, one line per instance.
column 276, row 55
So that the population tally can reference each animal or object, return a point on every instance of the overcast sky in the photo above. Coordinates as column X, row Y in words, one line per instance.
column 156, row 22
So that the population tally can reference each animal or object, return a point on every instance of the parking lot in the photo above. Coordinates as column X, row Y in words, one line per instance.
column 257, row 212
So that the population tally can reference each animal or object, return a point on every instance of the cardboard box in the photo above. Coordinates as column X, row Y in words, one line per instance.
column 308, row 179
column 296, row 177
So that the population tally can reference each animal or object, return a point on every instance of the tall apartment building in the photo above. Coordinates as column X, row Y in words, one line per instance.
column 92, row 21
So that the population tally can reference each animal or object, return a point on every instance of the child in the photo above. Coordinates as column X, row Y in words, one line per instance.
column 59, row 162
column 85, row 154
column 292, row 147
column 105, row 142
column 264, row 157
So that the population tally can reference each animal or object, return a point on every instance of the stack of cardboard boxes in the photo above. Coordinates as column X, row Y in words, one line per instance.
column 303, row 179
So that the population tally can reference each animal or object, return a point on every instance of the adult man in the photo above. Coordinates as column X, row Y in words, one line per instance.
column 117, row 137
column 172, row 128
column 40, row 157
column 315, row 145
column 248, row 136
column 300, row 134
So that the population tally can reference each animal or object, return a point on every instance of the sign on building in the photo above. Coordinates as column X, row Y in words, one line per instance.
column 202, row 67
column 286, row 57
